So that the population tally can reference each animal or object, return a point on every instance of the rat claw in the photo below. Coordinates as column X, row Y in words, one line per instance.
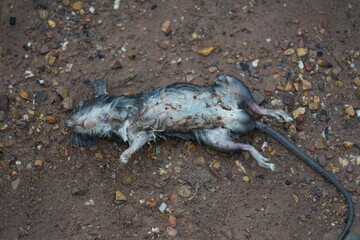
column 288, row 119
column 280, row 113
column 272, row 166
column 123, row 159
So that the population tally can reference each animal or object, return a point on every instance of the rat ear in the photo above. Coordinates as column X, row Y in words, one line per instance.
column 100, row 86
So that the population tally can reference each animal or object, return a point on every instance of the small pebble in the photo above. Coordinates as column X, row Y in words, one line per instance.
column 51, row 23
column 255, row 63
column 12, row 21
column 116, row 4
column 27, row 95
column 301, row 65
column 296, row 113
column 205, row 51
column 300, row 31
column 38, row 163
column 44, row 49
column 15, row 184
column 92, row 9
column 116, row 65
column 200, row 161
column 4, row 103
column 184, row 191
column 350, row 111
column 165, row 44
column 289, row 52
column 51, row 119
column 308, row 67
column 28, row 74
column 165, row 26
column 119, row 197
column 321, row 159
column 162, row 207
column 195, row 36
column 246, row 179
column 43, row 14
column 348, row 144
column 319, row 143
column 323, row 63
column 172, row 221
column 89, row 203
column 212, row 69
column 189, row 78
column 306, row 85
column 258, row 97
column 39, row 97
column 329, row 155
column 300, row 52
column 162, row 181
column 66, row 3
column 77, row 5
column 244, row 66
column 68, row 103
column 171, row 231
column 285, row 44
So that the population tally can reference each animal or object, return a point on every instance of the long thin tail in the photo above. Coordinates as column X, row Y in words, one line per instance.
column 314, row 165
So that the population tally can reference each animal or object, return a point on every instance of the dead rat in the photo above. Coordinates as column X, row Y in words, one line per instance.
column 213, row 115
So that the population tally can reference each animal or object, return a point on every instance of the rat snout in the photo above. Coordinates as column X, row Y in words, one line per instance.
column 71, row 122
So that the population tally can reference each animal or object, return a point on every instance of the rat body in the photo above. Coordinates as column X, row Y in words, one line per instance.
column 213, row 115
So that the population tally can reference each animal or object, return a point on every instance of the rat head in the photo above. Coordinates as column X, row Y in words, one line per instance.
column 91, row 118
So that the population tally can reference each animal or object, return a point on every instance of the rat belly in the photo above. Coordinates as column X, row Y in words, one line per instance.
column 186, row 111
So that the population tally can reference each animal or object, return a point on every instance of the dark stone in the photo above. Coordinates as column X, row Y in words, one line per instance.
column 85, row 80
column 229, row 175
column 44, row 49
column 244, row 66
column 40, row 96
column 322, row 115
column 287, row 182
column 12, row 21
column 321, row 159
column 61, row 12
column 160, row 163
column 4, row 103
column 168, row 33
column 318, row 193
column 26, row 47
column 153, row 6
column 260, row 177
column 308, row 181
column 101, row 56
column 116, row 65
column 258, row 97
column 288, row 99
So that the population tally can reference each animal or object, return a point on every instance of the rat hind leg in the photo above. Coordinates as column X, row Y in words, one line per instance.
column 277, row 113
column 219, row 139
column 233, row 84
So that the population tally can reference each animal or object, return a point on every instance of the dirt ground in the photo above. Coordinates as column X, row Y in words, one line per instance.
column 301, row 55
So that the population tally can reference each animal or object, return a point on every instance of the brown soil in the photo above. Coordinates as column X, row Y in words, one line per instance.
column 45, row 181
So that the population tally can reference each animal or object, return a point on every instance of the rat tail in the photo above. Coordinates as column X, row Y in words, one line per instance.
column 314, row 165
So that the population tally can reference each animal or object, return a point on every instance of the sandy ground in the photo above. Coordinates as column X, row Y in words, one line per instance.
column 301, row 56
